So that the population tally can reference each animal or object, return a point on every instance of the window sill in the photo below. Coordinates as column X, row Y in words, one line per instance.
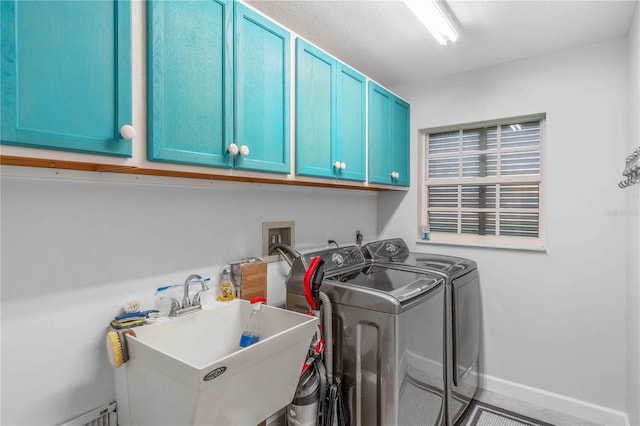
column 501, row 246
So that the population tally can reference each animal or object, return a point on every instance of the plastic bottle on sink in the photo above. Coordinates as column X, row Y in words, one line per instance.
column 226, row 288
column 250, row 331
column 163, row 301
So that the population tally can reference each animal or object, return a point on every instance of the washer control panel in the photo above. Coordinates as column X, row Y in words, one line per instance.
column 339, row 259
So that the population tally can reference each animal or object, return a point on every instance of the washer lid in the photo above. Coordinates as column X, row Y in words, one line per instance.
column 401, row 285
column 451, row 266
column 395, row 251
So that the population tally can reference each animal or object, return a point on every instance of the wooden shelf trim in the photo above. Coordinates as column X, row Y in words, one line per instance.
column 7, row 160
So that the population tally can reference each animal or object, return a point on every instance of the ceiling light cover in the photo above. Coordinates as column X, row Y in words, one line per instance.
column 433, row 17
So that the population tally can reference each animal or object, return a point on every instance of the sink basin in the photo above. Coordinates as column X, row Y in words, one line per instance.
column 190, row 370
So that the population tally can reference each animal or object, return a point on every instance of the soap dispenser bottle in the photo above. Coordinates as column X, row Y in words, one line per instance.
column 250, row 331
column 226, row 288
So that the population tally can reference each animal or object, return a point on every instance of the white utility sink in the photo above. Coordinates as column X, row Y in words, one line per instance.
column 191, row 371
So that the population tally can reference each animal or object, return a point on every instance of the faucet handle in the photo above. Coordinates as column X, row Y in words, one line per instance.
column 197, row 298
column 175, row 305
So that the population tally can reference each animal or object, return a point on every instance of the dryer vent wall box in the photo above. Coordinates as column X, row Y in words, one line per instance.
column 277, row 233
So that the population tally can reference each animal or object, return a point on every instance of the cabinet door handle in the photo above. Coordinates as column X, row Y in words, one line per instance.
column 336, row 165
column 244, row 150
column 343, row 166
column 395, row 175
column 127, row 132
column 232, row 149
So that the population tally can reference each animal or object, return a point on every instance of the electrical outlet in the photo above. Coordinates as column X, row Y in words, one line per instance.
column 277, row 233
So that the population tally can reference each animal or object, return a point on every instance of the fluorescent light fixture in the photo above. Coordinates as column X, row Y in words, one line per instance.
column 432, row 17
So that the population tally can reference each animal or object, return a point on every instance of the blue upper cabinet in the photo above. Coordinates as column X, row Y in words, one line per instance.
column 315, row 111
column 400, row 141
column 262, row 93
column 218, row 86
column 379, row 134
column 66, row 75
column 388, row 138
column 350, row 123
column 330, row 116
column 190, row 90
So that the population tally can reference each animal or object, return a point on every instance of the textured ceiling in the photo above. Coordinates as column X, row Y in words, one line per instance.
column 384, row 40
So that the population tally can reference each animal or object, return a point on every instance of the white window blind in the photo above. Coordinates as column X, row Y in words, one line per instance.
column 482, row 184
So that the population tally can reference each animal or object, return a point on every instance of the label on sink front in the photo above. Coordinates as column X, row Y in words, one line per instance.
column 214, row 373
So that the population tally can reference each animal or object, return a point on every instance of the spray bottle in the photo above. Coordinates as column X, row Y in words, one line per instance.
column 250, row 331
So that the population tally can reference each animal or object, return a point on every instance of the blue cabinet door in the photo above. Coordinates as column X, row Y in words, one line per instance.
column 379, row 134
column 330, row 116
column 190, row 90
column 66, row 75
column 315, row 111
column 261, row 54
column 400, row 141
column 388, row 138
column 350, row 123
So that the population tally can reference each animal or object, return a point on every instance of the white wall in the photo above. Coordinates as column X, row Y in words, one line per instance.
column 556, row 321
column 76, row 247
column 633, row 236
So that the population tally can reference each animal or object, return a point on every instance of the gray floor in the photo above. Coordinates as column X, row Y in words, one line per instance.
column 529, row 410
column 501, row 401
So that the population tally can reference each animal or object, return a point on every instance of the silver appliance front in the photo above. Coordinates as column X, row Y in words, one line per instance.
column 463, row 343
column 388, row 328
column 392, row 364
column 462, row 315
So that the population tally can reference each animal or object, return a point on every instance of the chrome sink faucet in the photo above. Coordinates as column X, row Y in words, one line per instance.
column 189, row 305
column 186, row 302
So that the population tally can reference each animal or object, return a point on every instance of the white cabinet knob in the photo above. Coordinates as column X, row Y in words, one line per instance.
column 343, row 166
column 127, row 132
column 232, row 149
column 395, row 175
column 336, row 165
column 244, row 150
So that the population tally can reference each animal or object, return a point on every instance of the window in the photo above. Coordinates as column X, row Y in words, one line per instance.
column 482, row 183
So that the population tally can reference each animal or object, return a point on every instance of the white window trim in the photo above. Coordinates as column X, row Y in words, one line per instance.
column 492, row 241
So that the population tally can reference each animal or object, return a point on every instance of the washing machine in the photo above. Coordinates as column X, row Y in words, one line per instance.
column 388, row 328
column 462, row 314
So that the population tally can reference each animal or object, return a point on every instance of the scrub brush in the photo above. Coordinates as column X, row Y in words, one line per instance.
column 115, row 351
column 126, row 324
column 117, row 347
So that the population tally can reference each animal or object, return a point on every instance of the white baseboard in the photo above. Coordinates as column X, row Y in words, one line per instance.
column 563, row 404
